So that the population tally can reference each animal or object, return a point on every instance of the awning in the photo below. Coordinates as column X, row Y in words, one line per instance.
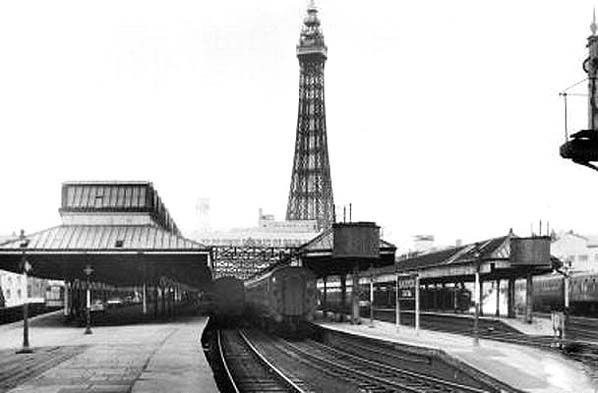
column 119, row 254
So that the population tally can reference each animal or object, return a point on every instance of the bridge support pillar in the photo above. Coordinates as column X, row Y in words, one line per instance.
column 529, row 298
column 511, row 298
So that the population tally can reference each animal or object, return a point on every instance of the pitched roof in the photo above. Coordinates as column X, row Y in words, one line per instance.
column 115, row 197
column 488, row 249
column 105, row 238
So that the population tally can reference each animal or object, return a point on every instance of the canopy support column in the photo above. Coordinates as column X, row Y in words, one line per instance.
column 511, row 298
column 529, row 298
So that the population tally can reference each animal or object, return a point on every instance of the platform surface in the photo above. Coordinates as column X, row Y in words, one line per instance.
column 524, row 368
column 540, row 326
column 143, row 357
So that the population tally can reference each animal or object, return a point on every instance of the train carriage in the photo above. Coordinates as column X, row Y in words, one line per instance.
column 548, row 293
column 284, row 298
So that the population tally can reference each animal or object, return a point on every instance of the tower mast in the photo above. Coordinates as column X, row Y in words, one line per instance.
column 582, row 147
column 590, row 66
column 310, row 195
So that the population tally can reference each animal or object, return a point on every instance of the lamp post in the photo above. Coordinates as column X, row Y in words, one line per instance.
column 26, row 268
column 88, row 270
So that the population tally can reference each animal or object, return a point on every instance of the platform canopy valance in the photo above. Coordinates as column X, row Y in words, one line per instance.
column 118, row 254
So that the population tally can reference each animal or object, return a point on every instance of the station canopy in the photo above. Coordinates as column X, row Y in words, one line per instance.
column 121, row 230
column 493, row 258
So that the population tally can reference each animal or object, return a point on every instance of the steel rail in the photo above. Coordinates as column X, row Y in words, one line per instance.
column 399, row 370
column 384, row 381
column 265, row 361
column 225, row 363
column 277, row 374
column 387, row 351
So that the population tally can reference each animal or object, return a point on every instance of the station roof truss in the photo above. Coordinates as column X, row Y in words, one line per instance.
column 461, row 263
column 243, row 262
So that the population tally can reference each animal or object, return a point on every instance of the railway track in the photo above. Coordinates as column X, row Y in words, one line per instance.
column 581, row 343
column 585, row 329
column 368, row 375
column 248, row 370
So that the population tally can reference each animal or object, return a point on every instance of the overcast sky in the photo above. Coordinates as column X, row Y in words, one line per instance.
column 443, row 116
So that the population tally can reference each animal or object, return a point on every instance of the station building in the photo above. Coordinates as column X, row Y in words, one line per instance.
column 578, row 252
column 268, row 233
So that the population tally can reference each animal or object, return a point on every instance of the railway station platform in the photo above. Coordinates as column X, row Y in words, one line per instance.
column 524, row 368
column 142, row 357
column 540, row 326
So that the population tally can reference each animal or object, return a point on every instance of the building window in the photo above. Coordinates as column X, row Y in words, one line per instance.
column 19, row 294
column 582, row 258
column 8, row 294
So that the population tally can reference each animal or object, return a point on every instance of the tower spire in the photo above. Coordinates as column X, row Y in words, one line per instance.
column 310, row 195
column 593, row 25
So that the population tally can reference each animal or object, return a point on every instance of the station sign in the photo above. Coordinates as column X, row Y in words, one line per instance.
column 406, row 287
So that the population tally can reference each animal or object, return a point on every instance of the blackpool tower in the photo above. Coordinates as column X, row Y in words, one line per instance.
column 310, row 196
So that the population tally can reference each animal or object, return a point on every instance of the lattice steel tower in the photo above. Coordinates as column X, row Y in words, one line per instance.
column 310, row 197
